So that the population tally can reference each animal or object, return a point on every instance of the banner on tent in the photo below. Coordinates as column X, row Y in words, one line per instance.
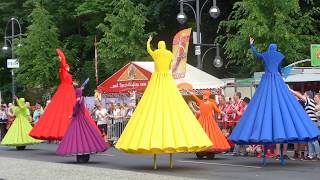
column 180, row 51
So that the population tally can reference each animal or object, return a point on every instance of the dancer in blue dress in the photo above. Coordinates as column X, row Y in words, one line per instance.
column 273, row 115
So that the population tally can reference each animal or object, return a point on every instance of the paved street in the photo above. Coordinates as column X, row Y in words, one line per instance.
column 43, row 164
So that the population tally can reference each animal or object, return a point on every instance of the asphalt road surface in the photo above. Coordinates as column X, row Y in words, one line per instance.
column 186, row 165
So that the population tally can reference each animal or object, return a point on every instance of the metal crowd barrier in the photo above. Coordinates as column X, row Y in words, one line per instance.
column 116, row 128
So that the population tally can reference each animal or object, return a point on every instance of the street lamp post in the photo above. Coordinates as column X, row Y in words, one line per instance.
column 11, row 38
column 217, row 62
column 182, row 18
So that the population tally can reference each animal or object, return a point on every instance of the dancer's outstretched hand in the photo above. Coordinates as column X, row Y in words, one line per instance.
column 75, row 83
column 187, row 90
column 150, row 38
column 190, row 91
column 251, row 40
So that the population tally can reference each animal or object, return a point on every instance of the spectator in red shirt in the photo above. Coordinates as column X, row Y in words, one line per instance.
column 237, row 107
column 222, row 119
column 239, row 110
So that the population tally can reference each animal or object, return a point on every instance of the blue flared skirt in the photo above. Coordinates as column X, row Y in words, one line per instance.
column 274, row 116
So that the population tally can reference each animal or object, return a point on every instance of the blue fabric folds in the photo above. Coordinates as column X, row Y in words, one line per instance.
column 273, row 115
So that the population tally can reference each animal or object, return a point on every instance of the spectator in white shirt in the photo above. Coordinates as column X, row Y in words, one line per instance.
column 3, row 121
column 102, row 120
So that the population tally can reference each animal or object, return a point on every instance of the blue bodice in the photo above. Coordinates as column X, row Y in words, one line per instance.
column 272, row 58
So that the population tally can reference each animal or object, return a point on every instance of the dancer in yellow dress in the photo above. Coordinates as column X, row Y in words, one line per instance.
column 162, row 122
column 18, row 133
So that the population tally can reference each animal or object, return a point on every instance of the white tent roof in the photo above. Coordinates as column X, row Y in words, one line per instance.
column 302, row 78
column 304, row 74
column 298, row 74
column 197, row 78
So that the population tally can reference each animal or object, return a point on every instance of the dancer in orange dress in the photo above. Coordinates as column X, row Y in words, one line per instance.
column 209, row 124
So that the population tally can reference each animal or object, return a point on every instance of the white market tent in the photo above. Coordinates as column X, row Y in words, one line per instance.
column 304, row 74
column 297, row 74
column 197, row 78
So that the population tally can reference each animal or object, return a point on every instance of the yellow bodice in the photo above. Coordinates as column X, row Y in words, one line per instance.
column 162, row 58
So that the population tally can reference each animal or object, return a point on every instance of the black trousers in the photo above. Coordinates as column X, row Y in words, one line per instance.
column 3, row 130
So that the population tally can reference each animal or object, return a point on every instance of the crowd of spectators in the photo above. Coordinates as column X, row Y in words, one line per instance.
column 111, row 119
column 234, row 107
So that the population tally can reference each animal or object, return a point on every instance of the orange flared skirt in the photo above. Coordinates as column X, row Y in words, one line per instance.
column 210, row 126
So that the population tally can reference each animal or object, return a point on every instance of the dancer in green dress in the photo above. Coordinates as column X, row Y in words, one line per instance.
column 18, row 134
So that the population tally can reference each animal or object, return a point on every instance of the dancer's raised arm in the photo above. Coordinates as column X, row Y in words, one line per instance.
column 198, row 100
column 149, row 47
column 253, row 49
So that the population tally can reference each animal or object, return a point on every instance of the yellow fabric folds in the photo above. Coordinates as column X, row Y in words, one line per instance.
column 162, row 121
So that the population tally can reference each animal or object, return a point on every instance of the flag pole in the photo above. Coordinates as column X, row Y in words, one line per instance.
column 96, row 59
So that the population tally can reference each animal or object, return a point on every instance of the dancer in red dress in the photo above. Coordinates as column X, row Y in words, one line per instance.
column 53, row 123
column 209, row 124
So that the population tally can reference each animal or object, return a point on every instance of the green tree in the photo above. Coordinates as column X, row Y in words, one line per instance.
column 37, row 57
column 124, row 34
column 284, row 22
column 90, row 14
column 9, row 8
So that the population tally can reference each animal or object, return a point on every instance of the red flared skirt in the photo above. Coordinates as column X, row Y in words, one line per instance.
column 53, row 124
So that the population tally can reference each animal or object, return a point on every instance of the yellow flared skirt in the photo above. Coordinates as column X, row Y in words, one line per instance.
column 163, row 122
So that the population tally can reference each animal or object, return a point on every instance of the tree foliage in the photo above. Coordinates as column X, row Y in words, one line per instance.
column 121, row 27
column 37, row 57
column 124, row 34
column 283, row 22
